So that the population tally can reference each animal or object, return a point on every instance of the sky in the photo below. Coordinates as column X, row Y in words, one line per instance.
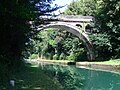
column 62, row 3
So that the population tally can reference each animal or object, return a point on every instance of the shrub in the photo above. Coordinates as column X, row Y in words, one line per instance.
column 56, row 57
column 33, row 56
column 62, row 56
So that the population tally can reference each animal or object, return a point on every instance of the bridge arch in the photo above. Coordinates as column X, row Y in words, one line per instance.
column 77, row 32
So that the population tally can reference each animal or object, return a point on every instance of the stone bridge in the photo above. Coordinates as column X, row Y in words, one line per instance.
column 77, row 25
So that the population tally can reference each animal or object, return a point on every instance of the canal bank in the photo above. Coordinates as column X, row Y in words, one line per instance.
column 112, row 65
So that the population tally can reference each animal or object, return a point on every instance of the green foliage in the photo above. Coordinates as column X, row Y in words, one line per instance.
column 58, row 44
column 108, row 24
column 71, row 56
column 102, row 45
column 101, row 40
column 12, row 33
column 34, row 56
column 81, row 7
column 62, row 56
column 16, row 32
column 56, row 57
column 61, row 44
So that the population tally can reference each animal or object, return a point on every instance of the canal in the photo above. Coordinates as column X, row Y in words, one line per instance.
column 74, row 78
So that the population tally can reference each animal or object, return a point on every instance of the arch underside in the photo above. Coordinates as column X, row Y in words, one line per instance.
column 77, row 32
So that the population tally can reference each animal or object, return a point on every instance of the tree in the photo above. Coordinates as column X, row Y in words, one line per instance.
column 43, row 7
column 106, row 31
column 81, row 7
column 108, row 23
column 15, row 31
column 59, row 44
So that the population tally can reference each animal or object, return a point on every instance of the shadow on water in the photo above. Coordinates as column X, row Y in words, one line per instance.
column 31, row 78
column 72, row 78
column 66, row 76
column 58, row 77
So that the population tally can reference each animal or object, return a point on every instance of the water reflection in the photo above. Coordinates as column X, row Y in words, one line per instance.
column 100, row 80
column 72, row 78
column 67, row 77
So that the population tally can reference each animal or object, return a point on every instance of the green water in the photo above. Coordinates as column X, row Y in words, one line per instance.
column 72, row 78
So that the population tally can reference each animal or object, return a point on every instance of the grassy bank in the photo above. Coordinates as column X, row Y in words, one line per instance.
column 109, row 62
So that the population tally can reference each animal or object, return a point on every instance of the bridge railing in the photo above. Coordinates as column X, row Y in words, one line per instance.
column 68, row 18
column 76, row 18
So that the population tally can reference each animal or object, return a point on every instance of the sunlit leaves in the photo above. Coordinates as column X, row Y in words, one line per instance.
column 110, row 19
column 81, row 7
column 101, row 40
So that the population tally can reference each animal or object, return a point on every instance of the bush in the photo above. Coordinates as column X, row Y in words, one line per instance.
column 56, row 57
column 71, row 56
column 62, row 56
column 33, row 56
